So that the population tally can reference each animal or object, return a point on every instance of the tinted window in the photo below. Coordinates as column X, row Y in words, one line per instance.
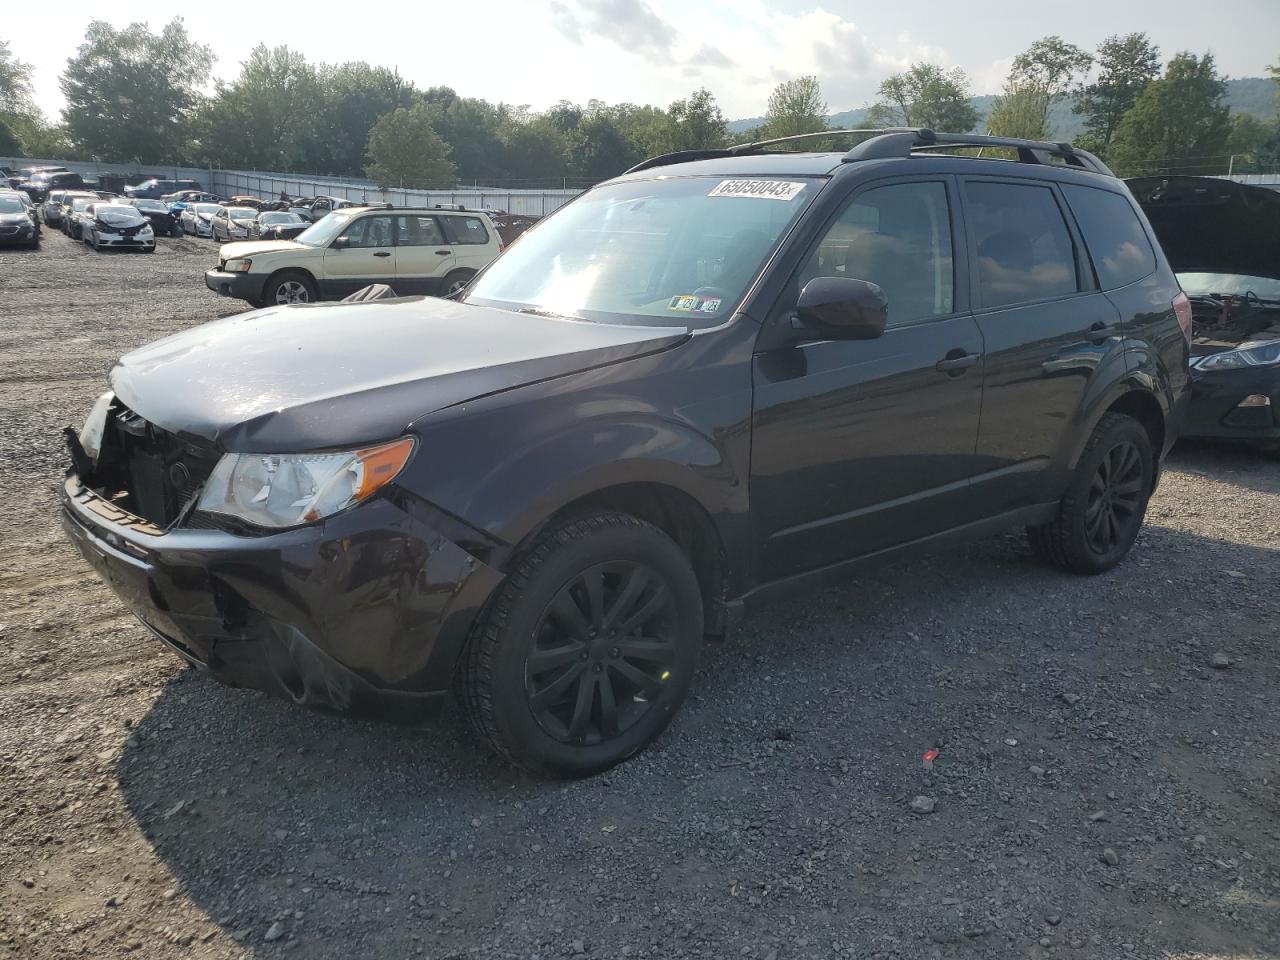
column 898, row 237
column 469, row 230
column 369, row 232
column 1024, row 250
column 419, row 232
column 1114, row 235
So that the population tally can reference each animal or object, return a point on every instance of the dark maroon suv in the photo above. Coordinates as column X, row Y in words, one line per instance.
column 702, row 383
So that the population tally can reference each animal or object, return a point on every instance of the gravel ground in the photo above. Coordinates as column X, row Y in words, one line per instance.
column 1103, row 787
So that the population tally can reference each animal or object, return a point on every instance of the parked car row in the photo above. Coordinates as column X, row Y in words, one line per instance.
column 19, row 223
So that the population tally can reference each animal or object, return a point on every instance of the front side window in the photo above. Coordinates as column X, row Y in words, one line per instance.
column 1113, row 233
column 369, row 232
column 419, row 232
column 1024, row 249
column 896, row 236
column 681, row 251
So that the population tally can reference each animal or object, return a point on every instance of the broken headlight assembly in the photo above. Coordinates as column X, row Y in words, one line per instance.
column 286, row 490
column 1244, row 356
column 95, row 425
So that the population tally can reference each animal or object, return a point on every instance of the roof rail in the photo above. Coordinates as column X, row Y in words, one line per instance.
column 902, row 143
column 680, row 156
column 738, row 149
column 757, row 144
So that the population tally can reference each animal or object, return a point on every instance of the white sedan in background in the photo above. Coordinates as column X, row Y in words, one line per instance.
column 233, row 223
column 117, row 225
column 197, row 219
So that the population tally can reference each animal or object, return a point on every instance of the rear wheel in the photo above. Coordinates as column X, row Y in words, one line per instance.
column 289, row 286
column 587, row 650
column 455, row 282
column 1106, row 500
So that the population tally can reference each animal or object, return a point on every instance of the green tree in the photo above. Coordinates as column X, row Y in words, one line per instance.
column 1126, row 64
column 25, row 130
column 406, row 151
column 795, row 106
column 695, row 123
column 10, row 145
column 129, row 91
column 1178, row 123
column 273, row 116
column 356, row 95
column 924, row 96
column 1050, row 68
column 15, row 84
column 1020, row 111
column 598, row 145
column 534, row 148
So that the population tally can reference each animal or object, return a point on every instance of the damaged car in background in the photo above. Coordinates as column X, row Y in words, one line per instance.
column 1223, row 240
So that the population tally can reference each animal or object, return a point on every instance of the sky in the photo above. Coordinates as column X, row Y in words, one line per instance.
column 537, row 52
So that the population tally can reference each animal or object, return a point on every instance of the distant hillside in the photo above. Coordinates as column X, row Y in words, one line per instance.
column 1256, row 95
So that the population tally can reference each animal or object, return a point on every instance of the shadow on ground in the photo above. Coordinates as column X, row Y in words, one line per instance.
column 774, row 815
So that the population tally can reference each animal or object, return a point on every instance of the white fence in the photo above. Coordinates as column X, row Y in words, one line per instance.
column 230, row 183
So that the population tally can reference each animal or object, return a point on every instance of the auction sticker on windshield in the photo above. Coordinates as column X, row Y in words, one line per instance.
column 758, row 189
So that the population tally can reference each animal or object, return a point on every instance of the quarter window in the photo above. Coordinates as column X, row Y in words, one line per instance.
column 419, row 232
column 1024, row 249
column 469, row 230
column 1113, row 233
column 899, row 237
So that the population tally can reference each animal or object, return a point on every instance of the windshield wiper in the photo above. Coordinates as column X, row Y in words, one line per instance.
column 554, row 316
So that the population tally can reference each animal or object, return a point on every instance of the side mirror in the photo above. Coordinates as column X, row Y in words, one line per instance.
column 341, row 243
column 841, row 308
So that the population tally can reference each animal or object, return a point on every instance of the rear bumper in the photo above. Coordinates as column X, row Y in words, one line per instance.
column 364, row 614
column 1215, row 410
column 242, row 286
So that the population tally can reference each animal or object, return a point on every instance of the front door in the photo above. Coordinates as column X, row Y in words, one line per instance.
column 423, row 254
column 862, row 445
column 364, row 253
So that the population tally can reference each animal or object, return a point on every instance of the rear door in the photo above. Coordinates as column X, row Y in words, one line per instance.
column 1049, row 334
column 423, row 254
column 364, row 253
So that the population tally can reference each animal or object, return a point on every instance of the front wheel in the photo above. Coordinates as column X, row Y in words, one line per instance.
column 588, row 648
column 1106, row 500
column 455, row 282
column 291, row 286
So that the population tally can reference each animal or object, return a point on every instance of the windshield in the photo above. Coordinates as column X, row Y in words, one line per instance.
column 682, row 250
column 154, row 205
column 1230, row 284
column 209, row 208
column 11, row 205
column 242, row 213
column 113, row 210
column 322, row 232
column 280, row 217
column 79, row 203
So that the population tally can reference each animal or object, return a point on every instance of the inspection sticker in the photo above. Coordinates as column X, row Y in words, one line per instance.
column 758, row 189
column 687, row 303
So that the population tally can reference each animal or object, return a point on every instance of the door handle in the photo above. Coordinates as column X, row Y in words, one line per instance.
column 382, row 253
column 1099, row 332
column 957, row 362
column 443, row 253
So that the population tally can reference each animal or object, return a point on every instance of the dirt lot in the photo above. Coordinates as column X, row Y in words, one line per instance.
column 1102, row 789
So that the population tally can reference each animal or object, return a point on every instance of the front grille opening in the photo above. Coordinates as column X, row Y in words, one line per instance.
column 148, row 471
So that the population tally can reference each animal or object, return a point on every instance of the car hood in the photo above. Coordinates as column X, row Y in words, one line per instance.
column 288, row 379
column 253, row 248
column 1208, row 225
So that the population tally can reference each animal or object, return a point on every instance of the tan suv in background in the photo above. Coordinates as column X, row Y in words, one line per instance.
column 433, row 251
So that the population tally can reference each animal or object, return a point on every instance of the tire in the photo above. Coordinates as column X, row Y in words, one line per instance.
column 289, row 286
column 454, row 281
column 1106, row 500
column 536, row 718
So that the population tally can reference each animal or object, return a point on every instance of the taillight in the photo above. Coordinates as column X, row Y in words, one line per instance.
column 1182, row 307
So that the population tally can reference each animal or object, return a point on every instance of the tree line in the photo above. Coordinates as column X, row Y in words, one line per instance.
column 134, row 95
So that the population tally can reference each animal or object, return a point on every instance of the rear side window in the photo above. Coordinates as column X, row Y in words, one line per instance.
column 419, row 232
column 469, row 230
column 899, row 237
column 1113, row 233
column 1023, row 248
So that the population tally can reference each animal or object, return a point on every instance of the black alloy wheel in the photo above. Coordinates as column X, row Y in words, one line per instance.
column 1115, row 498
column 601, row 653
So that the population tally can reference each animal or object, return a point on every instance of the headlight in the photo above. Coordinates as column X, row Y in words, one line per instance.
column 1245, row 355
column 95, row 425
column 146, row 228
column 285, row 490
column 238, row 266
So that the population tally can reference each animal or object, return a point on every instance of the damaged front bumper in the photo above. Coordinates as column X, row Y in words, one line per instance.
column 365, row 613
